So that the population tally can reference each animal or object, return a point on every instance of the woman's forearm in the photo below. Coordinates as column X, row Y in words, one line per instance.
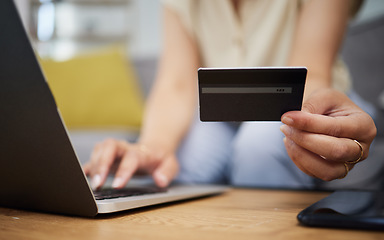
column 168, row 116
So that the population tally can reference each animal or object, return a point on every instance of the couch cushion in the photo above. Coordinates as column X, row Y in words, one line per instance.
column 96, row 89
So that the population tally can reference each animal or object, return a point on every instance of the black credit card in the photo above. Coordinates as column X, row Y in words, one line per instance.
column 250, row 94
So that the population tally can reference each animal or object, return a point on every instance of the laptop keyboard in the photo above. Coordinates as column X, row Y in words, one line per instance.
column 111, row 193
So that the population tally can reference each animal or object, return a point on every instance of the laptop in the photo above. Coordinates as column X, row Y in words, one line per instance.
column 39, row 169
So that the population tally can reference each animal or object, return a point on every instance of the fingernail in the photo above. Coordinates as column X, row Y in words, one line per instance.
column 96, row 181
column 287, row 120
column 287, row 130
column 161, row 179
column 288, row 141
column 117, row 182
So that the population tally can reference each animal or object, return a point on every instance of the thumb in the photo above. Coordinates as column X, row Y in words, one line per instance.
column 324, row 100
column 166, row 171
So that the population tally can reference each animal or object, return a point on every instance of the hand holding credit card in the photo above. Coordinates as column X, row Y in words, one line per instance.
column 250, row 94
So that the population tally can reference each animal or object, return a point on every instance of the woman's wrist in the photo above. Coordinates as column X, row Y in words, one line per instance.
column 152, row 145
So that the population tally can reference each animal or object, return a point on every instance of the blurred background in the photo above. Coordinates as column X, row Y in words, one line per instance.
column 100, row 59
column 62, row 27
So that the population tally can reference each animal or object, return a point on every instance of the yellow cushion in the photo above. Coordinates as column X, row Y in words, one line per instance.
column 97, row 89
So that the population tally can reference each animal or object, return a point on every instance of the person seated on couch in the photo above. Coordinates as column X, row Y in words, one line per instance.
column 323, row 141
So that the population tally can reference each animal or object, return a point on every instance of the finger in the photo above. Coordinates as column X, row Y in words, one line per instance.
column 331, row 112
column 331, row 148
column 339, row 126
column 126, row 169
column 326, row 101
column 90, row 166
column 313, row 164
column 166, row 172
column 109, row 151
column 87, row 168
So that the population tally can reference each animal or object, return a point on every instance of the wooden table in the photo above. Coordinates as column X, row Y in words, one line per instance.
column 237, row 214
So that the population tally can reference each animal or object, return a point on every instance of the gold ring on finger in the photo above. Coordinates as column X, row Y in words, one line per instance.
column 361, row 154
column 346, row 171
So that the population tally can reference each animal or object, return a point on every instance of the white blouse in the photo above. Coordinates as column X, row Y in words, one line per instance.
column 261, row 34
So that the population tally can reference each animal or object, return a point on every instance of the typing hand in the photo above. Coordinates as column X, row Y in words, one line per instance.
column 320, row 138
column 127, row 159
